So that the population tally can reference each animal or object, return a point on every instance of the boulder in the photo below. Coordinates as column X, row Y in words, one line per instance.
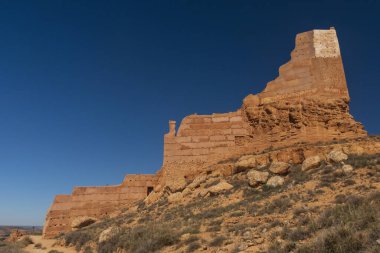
column 177, row 185
column 197, row 181
column 347, row 168
column 256, row 177
column 337, row 156
column 186, row 192
column 353, row 149
column 175, row 197
column 275, row 181
column 279, row 168
column 109, row 233
column 247, row 161
column 82, row 222
column 311, row 163
column 152, row 197
column 222, row 186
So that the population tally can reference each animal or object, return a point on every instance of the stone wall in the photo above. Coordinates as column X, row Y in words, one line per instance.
column 306, row 103
column 97, row 202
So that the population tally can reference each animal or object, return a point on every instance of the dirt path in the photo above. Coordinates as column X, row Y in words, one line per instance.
column 47, row 244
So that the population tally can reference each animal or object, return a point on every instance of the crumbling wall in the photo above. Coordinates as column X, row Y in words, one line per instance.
column 97, row 202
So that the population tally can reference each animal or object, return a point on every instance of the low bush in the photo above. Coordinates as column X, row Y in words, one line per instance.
column 142, row 239
column 217, row 241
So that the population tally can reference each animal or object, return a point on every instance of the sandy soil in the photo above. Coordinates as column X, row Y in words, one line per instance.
column 47, row 244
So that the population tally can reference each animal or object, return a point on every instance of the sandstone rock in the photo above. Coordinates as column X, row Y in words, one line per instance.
column 275, row 181
column 152, row 197
column 347, row 168
column 337, row 156
column 186, row 192
column 109, row 233
column 247, row 161
column 353, row 149
column 256, row 177
column 311, row 163
column 279, row 167
column 175, row 197
column 82, row 222
column 197, row 181
column 222, row 186
column 185, row 237
column 177, row 185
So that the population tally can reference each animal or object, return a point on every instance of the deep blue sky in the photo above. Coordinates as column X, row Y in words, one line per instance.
column 87, row 87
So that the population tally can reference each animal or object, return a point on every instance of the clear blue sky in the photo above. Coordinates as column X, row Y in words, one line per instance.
column 87, row 87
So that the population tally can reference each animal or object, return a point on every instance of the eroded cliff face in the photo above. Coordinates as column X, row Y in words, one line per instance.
column 306, row 103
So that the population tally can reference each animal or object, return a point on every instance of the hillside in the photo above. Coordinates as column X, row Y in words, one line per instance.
column 326, row 206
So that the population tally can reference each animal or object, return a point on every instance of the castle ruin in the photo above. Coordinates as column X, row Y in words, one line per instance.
column 307, row 102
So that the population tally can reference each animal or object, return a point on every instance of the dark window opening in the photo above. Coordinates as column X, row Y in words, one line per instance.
column 149, row 190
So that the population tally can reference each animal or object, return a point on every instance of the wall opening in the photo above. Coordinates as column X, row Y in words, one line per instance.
column 149, row 190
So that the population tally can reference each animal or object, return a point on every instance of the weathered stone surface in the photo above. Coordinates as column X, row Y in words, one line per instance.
column 275, row 181
column 109, row 233
column 347, row 168
column 311, row 163
column 82, row 222
column 337, row 156
column 248, row 161
column 279, row 167
column 197, row 181
column 257, row 177
column 175, row 197
column 177, row 185
column 152, row 197
column 222, row 186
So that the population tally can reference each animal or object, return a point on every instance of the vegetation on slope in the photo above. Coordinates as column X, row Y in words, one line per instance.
column 323, row 210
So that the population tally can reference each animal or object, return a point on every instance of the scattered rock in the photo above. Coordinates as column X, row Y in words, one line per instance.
column 275, row 181
column 108, row 234
column 247, row 161
column 337, row 156
column 242, row 246
column 185, row 237
column 197, row 181
column 152, row 197
column 279, row 168
column 347, row 168
column 378, row 241
column 259, row 240
column 175, row 197
column 186, row 192
column 311, row 163
column 82, row 222
column 256, row 177
column 222, row 186
column 177, row 185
